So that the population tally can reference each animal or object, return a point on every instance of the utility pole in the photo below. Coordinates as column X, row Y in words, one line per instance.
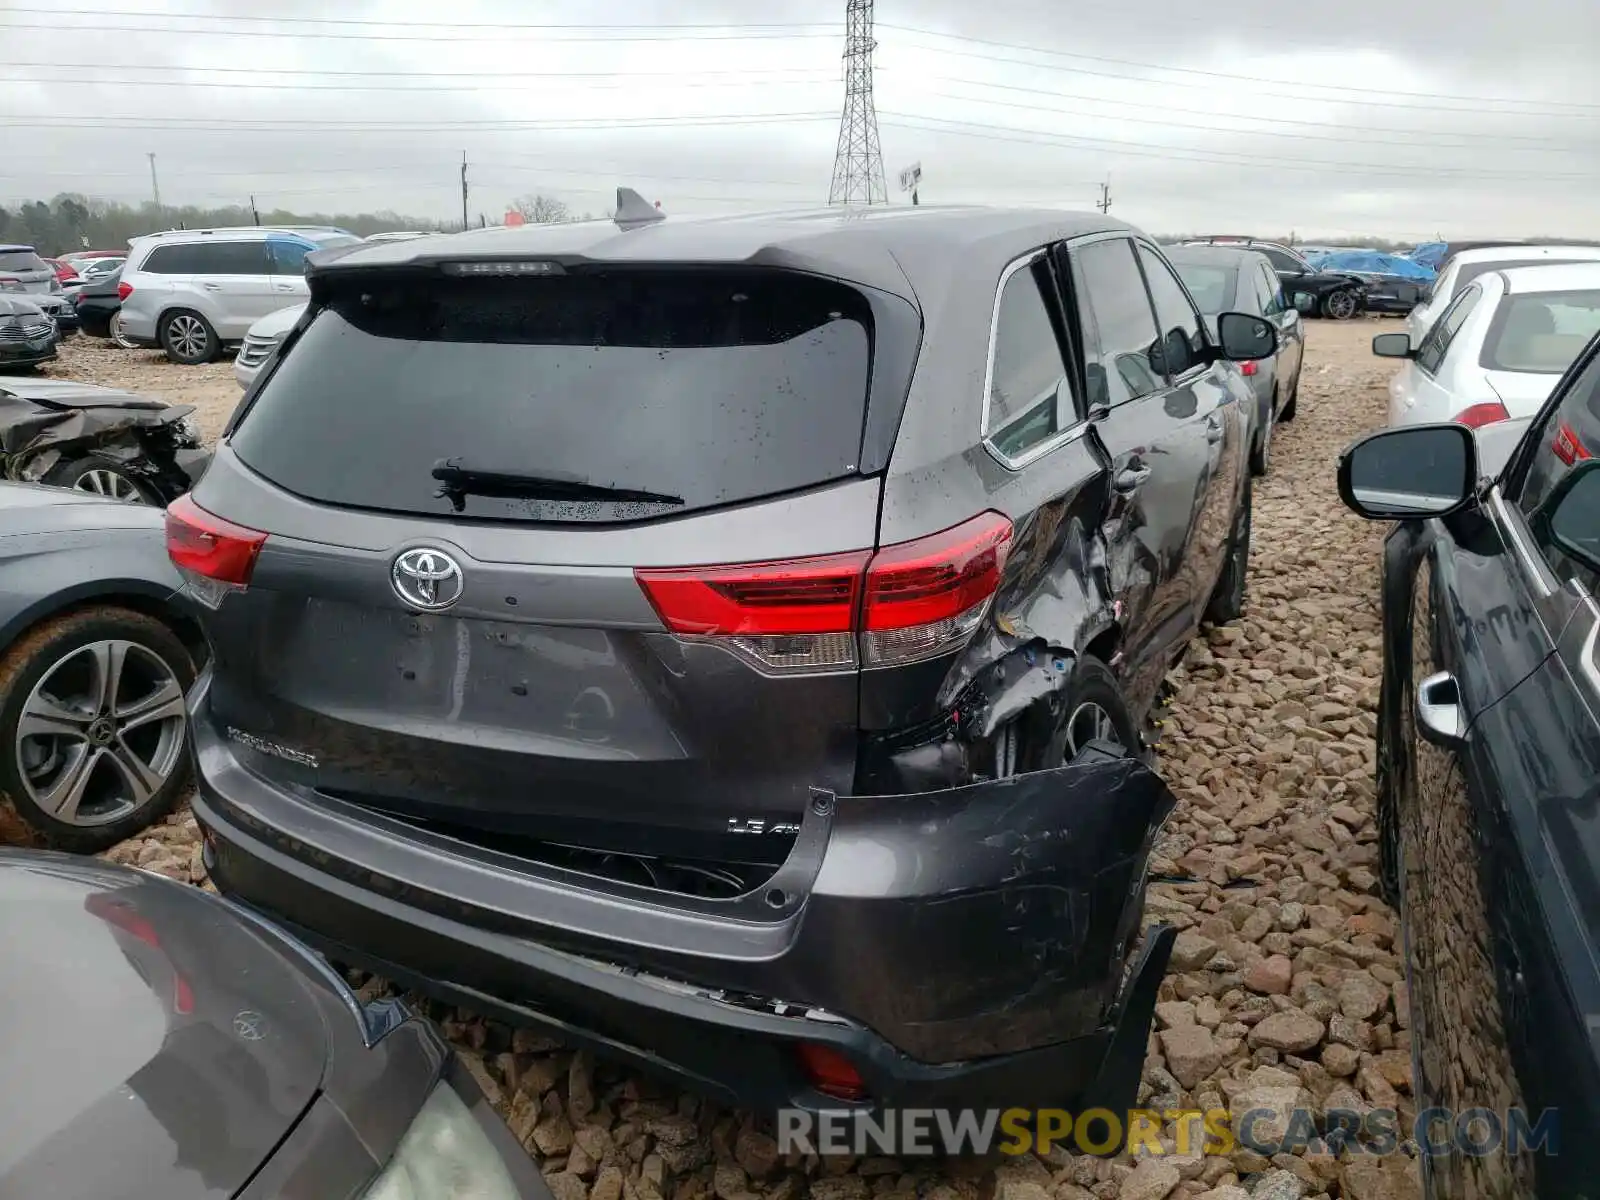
column 1104, row 203
column 155, row 186
column 463, row 189
column 255, row 212
column 858, row 162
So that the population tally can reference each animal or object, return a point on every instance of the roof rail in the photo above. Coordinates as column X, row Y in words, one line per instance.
column 633, row 210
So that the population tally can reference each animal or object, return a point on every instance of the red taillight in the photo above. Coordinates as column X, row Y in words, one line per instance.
column 206, row 545
column 830, row 1072
column 1567, row 446
column 904, row 603
column 124, row 290
column 1250, row 367
column 1479, row 415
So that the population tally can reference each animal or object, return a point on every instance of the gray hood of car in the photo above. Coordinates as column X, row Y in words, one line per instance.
column 69, row 393
column 152, row 1043
column 17, row 306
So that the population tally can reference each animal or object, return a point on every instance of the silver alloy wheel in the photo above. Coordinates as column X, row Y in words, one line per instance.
column 101, row 733
column 111, row 484
column 117, row 335
column 186, row 335
column 1090, row 722
column 1341, row 306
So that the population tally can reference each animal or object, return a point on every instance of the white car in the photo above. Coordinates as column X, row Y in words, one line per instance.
column 1497, row 350
column 261, row 341
column 1468, row 265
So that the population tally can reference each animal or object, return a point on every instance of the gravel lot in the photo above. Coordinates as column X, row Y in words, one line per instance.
column 1286, row 988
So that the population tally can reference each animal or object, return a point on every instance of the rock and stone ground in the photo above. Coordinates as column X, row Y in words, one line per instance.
column 1287, row 986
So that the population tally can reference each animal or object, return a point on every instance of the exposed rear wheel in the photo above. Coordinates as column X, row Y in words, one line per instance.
column 1089, row 708
column 92, row 722
column 99, row 477
column 114, row 331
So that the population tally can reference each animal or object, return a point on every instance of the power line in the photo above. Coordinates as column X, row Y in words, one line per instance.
column 1168, row 122
column 434, row 38
column 1233, row 78
column 305, row 125
column 1156, row 150
column 230, row 85
column 165, row 68
column 390, row 24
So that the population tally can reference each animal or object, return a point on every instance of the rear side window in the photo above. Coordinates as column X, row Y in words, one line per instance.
column 208, row 258
column 288, row 257
column 1437, row 344
column 1541, row 332
column 1112, row 302
column 1281, row 260
column 1269, row 291
column 1030, row 400
column 712, row 387
column 21, row 260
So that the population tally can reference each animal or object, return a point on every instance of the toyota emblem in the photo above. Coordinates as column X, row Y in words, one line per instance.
column 427, row 578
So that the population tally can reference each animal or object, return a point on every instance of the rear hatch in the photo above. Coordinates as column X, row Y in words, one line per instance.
column 480, row 511
column 21, row 270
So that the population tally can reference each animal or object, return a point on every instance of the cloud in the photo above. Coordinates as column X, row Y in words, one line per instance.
column 1241, row 115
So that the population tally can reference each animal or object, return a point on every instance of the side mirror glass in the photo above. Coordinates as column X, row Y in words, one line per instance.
column 1392, row 345
column 1245, row 338
column 1405, row 473
column 1570, row 518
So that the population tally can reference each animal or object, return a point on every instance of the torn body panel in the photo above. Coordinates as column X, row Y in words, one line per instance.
column 962, row 926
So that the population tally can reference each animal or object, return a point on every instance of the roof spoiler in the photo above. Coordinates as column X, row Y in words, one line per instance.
column 633, row 210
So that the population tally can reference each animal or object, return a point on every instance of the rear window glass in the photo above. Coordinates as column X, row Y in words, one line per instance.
column 711, row 387
column 21, row 260
column 1470, row 271
column 1211, row 287
column 1542, row 332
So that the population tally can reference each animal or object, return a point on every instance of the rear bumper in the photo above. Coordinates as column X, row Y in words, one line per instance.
column 962, row 948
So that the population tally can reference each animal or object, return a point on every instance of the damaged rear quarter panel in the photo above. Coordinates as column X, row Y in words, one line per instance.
column 983, row 919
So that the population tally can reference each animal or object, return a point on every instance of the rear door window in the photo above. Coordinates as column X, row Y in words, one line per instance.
column 229, row 258
column 1437, row 344
column 712, row 387
column 1282, row 260
column 1119, row 325
column 288, row 255
column 1030, row 399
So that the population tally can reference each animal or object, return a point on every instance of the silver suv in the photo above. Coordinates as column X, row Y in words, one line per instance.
column 192, row 292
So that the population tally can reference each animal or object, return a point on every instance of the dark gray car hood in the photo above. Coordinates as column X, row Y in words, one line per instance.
column 151, row 1042
column 18, row 306
column 37, row 508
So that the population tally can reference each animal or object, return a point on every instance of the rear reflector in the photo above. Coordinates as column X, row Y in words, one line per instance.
column 830, row 1072
column 210, row 550
column 1250, row 367
column 1567, row 445
column 907, row 602
column 124, row 290
column 1479, row 415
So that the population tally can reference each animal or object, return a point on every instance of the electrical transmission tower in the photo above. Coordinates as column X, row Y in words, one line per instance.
column 858, row 165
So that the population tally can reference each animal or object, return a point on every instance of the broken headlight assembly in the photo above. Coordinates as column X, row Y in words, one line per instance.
column 445, row 1155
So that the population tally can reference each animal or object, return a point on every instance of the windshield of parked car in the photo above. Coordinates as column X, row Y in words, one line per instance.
column 1212, row 287
column 714, row 386
column 1541, row 332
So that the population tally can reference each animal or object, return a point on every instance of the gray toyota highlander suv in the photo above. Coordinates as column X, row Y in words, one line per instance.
column 727, row 642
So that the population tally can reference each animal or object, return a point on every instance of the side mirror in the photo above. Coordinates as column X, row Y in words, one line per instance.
column 1409, row 472
column 1426, row 294
column 1569, row 519
column 1245, row 338
column 1392, row 345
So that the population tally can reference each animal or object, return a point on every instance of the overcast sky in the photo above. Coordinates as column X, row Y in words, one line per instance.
column 1404, row 119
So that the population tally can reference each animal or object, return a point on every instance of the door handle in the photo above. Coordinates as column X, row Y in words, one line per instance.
column 1440, row 717
column 1213, row 430
column 285, row 287
column 1129, row 478
column 212, row 287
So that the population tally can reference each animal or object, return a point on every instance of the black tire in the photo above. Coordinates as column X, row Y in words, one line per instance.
column 1227, row 601
column 1261, row 451
column 100, row 477
column 115, row 811
column 1340, row 305
column 1047, row 732
column 1286, row 413
column 188, row 338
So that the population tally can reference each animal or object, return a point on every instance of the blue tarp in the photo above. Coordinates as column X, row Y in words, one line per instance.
column 1429, row 254
column 1374, row 262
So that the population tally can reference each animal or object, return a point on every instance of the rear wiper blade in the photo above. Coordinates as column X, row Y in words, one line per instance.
column 458, row 481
